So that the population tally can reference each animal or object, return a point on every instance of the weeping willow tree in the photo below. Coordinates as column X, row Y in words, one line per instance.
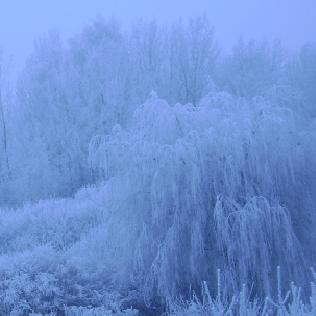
column 227, row 185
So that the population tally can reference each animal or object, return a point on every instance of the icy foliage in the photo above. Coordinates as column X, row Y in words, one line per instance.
column 205, row 187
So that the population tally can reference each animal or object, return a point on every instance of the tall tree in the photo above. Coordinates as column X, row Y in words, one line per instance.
column 252, row 69
column 3, row 123
column 194, row 53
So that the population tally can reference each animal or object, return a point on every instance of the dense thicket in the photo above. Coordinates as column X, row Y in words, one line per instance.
column 195, row 161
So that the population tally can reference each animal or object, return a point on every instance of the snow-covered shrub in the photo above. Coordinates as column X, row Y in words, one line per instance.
column 35, row 271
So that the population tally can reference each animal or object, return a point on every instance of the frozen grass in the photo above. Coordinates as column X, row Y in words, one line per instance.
column 290, row 304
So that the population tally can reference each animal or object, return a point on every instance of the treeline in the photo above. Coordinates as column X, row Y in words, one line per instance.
column 71, row 92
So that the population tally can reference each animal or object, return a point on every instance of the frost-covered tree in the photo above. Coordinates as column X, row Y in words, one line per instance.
column 6, row 137
column 100, row 80
column 4, row 160
column 50, row 119
column 214, row 188
column 252, row 69
column 301, row 76
column 193, row 57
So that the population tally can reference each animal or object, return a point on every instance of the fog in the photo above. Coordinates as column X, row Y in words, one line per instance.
column 22, row 22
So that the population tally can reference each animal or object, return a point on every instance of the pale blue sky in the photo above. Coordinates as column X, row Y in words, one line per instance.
column 292, row 21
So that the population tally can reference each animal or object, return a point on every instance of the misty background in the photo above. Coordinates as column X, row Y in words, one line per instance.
column 22, row 22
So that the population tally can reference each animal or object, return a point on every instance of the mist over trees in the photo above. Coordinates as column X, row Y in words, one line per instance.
column 159, row 159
